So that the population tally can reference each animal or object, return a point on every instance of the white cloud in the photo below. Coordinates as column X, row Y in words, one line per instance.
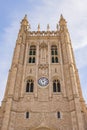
column 75, row 12
column 81, row 56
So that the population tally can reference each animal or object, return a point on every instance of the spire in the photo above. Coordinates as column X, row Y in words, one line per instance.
column 48, row 27
column 38, row 27
column 24, row 23
column 62, row 19
column 63, row 29
column 62, row 23
column 23, row 29
column 61, row 16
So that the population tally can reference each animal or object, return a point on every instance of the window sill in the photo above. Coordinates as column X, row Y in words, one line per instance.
column 31, row 64
column 29, row 93
column 55, row 63
column 57, row 93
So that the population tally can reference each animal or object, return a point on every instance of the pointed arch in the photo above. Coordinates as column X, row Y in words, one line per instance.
column 30, row 85
column 56, row 85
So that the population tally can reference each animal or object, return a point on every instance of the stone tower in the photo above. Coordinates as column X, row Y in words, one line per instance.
column 43, row 89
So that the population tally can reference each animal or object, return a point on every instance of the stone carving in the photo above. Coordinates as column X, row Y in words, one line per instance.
column 43, row 69
column 43, row 48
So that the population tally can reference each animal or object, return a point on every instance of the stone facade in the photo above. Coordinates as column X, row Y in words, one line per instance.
column 56, row 103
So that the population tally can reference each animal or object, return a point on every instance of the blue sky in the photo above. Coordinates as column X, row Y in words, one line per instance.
column 43, row 12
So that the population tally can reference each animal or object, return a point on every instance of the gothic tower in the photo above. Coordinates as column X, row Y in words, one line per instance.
column 43, row 89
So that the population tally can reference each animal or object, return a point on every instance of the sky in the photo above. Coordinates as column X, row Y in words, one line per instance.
column 43, row 12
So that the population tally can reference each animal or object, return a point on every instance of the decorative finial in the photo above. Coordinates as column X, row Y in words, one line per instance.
column 48, row 27
column 61, row 16
column 25, row 17
column 24, row 21
column 25, row 24
column 38, row 27
column 62, row 23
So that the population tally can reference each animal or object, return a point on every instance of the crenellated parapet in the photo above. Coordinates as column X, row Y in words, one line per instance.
column 43, row 33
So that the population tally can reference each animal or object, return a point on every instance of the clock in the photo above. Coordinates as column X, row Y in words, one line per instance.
column 43, row 81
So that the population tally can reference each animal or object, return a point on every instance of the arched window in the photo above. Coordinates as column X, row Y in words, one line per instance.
column 53, row 59
column 32, row 53
column 56, row 59
column 58, row 115
column 27, row 87
column 30, row 60
column 33, row 59
column 32, row 50
column 56, row 86
column 30, row 86
column 54, row 54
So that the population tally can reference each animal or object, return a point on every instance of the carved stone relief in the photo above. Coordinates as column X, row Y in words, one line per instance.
column 43, row 53
column 43, row 69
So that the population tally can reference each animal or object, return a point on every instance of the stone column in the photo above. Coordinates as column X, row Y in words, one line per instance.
column 50, row 78
column 61, row 64
column 37, row 62
column 18, row 83
column 12, row 72
column 24, row 70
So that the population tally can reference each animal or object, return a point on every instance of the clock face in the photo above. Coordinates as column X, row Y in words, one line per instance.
column 43, row 81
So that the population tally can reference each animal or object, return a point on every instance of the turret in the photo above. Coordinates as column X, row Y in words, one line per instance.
column 62, row 24
column 18, row 58
column 24, row 24
column 68, row 57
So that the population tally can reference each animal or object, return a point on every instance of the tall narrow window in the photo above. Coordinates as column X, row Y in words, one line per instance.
column 53, row 59
column 56, row 86
column 27, row 115
column 54, row 54
column 32, row 53
column 30, row 86
column 33, row 59
column 30, row 60
column 56, row 59
column 27, row 87
column 58, row 115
